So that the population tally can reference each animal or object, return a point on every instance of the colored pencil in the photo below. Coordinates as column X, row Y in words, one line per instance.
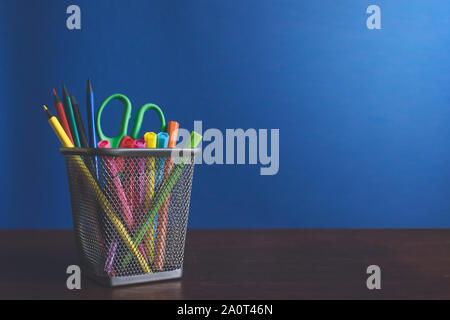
column 90, row 112
column 90, row 108
column 79, row 123
column 62, row 115
column 71, row 117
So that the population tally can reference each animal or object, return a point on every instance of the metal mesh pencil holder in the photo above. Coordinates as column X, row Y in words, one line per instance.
column 130, row 210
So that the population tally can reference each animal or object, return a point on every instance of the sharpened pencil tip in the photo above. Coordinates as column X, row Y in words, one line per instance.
column 49, row 114
column 72, row 98
column 55, row 97
column 65, row 94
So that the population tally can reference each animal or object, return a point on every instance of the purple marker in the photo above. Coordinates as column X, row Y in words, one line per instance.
column 111, row 255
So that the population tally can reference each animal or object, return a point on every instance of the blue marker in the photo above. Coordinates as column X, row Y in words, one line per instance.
column 162, row 141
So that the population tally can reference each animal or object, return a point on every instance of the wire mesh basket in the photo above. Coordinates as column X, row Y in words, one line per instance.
column 130, row 210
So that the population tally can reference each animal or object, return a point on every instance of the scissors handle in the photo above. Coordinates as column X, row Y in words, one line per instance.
column 140, row 116
column 115, row 141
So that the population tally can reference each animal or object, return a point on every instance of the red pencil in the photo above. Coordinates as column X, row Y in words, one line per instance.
column 61, row 115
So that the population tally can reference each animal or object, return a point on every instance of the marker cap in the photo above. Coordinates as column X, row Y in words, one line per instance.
column 139, row 143
column 194, row 141
column 103, row 144
column 150, row 139
column 172, row 130
column 127, row 142
column 162, row 140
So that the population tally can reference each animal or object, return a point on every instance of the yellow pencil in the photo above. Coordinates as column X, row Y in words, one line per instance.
column 59, row 131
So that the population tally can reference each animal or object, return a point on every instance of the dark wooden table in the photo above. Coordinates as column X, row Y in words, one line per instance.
column 247, row 264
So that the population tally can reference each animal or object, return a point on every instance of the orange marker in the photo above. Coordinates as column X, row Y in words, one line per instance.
column 172, row 130
column 161, row 230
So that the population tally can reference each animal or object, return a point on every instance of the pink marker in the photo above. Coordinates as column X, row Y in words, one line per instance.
column 111, row 170
column 140, row 194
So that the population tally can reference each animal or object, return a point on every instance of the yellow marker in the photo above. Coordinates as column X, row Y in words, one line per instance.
column 150, row 142
column 59, row 131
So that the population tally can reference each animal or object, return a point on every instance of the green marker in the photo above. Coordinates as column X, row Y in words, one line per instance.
column 71, row 117
column 161, row 196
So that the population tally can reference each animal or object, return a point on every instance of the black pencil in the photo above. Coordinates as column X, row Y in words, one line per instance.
column 81, row 132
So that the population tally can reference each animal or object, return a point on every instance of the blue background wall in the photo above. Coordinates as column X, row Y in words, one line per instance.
column 364, row 116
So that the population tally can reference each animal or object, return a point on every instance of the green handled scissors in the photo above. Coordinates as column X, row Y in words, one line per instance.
column 115, row 141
